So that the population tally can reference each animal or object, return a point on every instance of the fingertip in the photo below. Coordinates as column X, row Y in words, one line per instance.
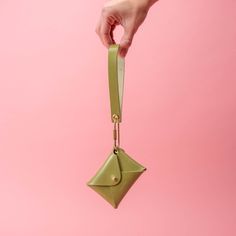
column 108, row 42
column 123, row 52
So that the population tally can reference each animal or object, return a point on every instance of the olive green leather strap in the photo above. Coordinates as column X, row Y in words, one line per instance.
column 116, row 66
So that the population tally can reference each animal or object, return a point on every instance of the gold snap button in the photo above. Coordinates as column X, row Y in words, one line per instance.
column 115, row 179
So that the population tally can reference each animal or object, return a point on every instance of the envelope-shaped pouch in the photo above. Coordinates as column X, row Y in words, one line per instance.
column 116, row 176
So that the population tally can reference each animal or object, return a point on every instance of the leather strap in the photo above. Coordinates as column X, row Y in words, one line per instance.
column 116, row 68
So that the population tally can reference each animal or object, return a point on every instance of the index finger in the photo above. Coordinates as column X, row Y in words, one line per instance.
column 106, row 31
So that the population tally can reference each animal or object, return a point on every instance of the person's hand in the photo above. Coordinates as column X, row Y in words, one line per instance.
column 129, row 14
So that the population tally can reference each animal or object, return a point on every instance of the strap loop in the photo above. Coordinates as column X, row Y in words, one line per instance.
column 116, row 65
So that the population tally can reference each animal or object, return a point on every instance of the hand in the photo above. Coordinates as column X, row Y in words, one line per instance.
column 129, row 14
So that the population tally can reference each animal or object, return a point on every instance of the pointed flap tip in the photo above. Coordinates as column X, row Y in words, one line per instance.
column 144, row 168
column 109, row 174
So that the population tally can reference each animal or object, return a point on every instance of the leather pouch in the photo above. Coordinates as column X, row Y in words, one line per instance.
column 119, row 172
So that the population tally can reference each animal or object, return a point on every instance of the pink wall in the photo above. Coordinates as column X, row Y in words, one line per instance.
column 179, row 120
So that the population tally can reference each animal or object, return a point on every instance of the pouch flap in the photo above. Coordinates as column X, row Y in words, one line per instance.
column 109, row 174
column 127, row 163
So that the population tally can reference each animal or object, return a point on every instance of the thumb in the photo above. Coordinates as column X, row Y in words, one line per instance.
column 126, row 41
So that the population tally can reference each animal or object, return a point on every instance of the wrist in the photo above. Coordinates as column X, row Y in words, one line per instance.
column 145, row 4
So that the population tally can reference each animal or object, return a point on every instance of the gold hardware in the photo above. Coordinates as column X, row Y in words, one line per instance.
column 115, row 151
column 116, row 131
column 115, row 118
column 115, row 179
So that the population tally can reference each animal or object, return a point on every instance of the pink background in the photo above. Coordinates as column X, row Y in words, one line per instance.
column 178, row 120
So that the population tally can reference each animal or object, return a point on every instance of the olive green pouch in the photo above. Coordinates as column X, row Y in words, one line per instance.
column 119, row 172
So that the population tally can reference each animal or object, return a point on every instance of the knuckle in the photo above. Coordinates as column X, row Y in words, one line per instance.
column 105, row 11
column 127, row 42
column 98, row 28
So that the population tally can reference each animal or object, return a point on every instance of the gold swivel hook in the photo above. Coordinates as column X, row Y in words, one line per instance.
column 116, row 131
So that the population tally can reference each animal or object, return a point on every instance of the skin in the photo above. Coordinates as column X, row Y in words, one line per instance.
column 130, row 14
